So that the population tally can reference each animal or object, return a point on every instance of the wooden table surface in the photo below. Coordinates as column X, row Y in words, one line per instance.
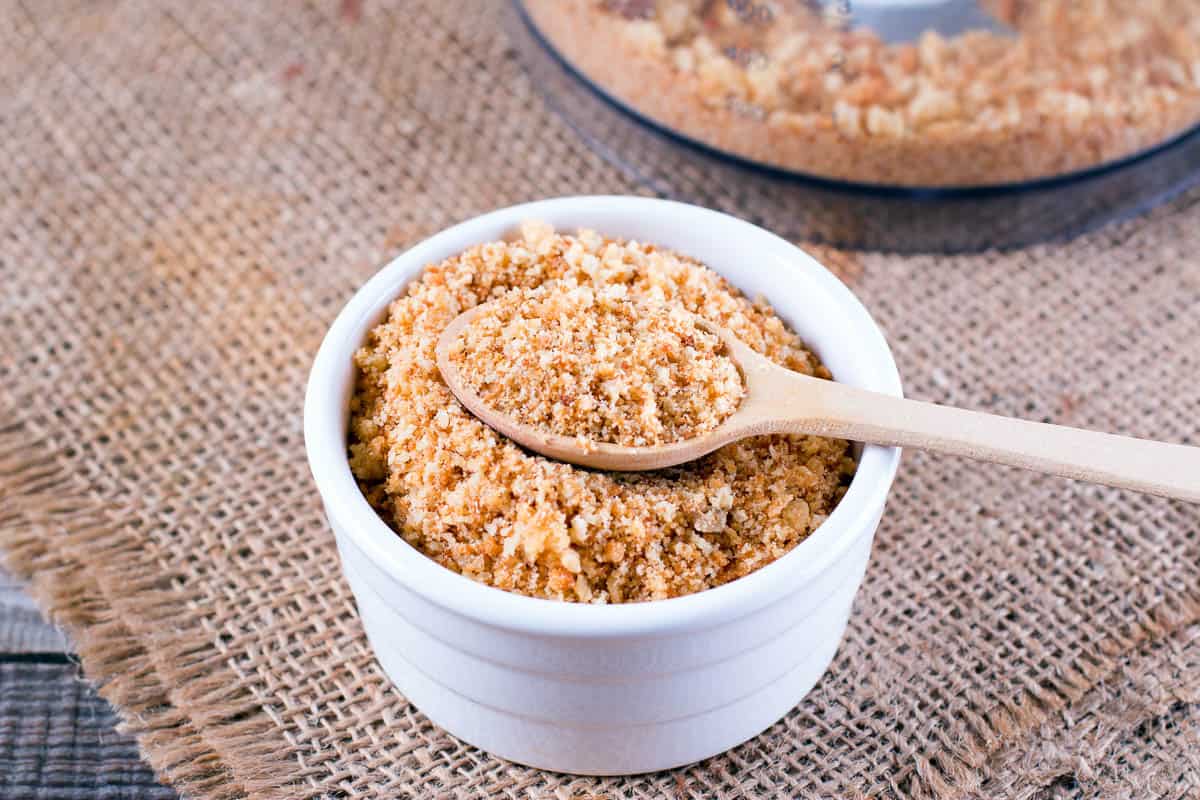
column 58, row 739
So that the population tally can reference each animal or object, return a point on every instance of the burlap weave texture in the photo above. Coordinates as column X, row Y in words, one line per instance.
column 192, row 190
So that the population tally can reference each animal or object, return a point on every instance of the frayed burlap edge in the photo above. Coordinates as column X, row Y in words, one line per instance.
column 960, row 773
column 1108, row 743
column 195, row 723
column 205, row 733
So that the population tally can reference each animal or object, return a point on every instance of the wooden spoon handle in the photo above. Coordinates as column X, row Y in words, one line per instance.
column 826, row 408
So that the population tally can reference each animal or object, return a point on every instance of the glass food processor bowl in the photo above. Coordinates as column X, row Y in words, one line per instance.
column 902, row 102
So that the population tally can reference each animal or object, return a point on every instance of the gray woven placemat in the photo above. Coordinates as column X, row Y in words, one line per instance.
column 57, row 740
column 191, row 191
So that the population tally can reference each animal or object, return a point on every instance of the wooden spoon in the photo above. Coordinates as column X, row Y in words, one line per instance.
column 779, row 400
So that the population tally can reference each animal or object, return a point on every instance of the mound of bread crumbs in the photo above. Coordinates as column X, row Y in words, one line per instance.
column 598, row 366
column 482, row 506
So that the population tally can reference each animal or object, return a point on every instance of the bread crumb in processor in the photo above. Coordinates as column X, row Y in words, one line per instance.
column 478, row 504
column 1077, row 85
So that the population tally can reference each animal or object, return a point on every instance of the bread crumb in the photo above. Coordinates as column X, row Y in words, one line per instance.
column 598, row 366
column 478, row 504
column 1077, row 85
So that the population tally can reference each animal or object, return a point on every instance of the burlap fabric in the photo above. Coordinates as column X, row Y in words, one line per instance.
column 191, row 191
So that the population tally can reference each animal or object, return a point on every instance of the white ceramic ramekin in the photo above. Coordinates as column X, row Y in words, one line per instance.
column 624, row 688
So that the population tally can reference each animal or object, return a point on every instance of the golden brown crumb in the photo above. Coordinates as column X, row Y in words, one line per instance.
column 596, row 365
column 1080, row 84
column 480, row 505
